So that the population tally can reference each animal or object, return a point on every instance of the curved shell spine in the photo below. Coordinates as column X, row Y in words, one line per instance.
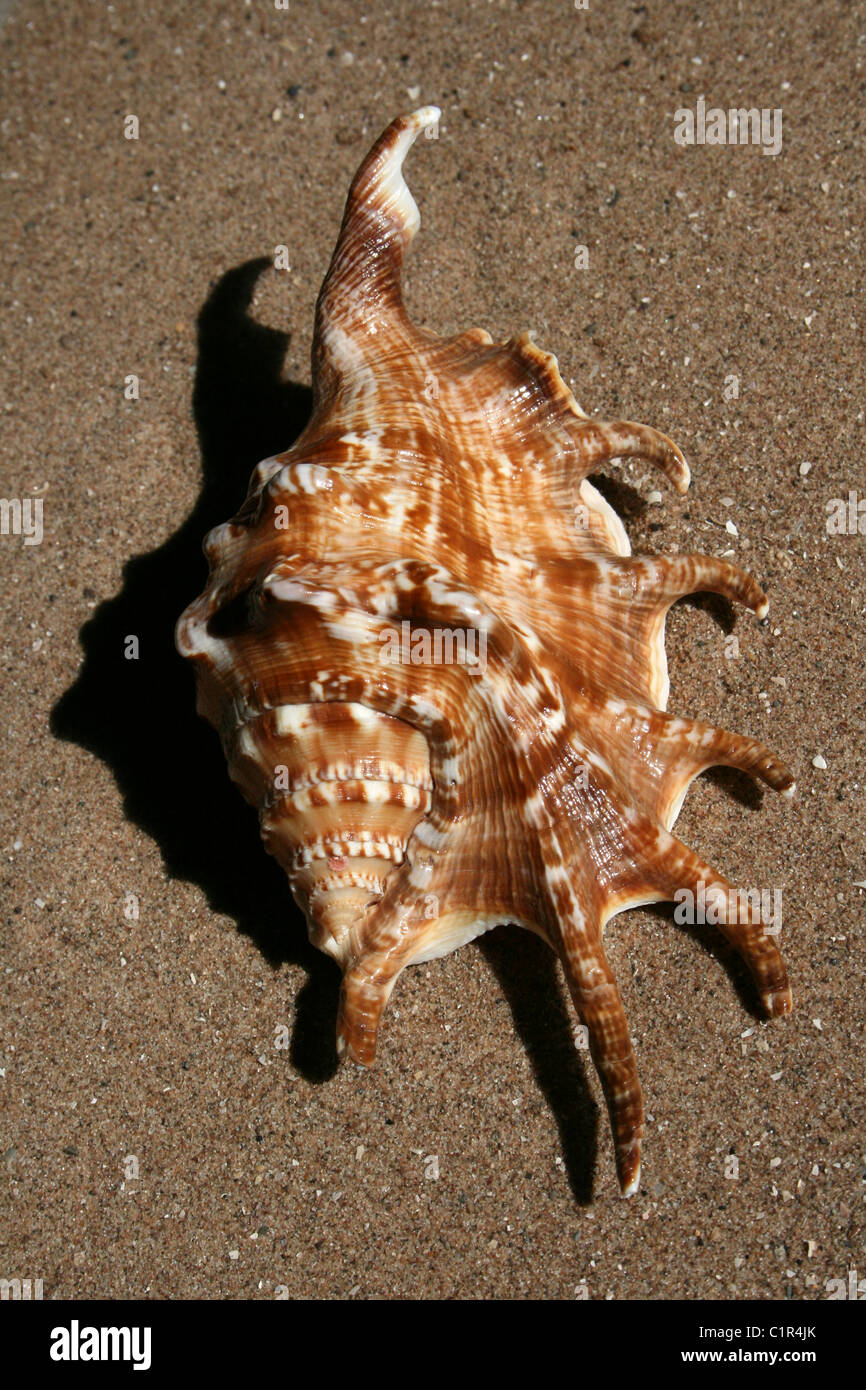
column 438, row 502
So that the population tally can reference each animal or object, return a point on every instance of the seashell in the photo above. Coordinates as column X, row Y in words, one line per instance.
column 439, row 673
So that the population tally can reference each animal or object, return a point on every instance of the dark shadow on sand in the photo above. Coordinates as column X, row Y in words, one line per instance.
column 527, row 970
column 139, row 716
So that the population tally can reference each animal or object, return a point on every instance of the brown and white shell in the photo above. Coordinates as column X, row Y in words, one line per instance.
column 436, row 668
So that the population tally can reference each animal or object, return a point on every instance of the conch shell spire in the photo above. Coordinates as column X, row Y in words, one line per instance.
column 360, row 298
column 438, row 671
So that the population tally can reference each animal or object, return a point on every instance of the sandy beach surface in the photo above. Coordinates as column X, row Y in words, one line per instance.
column 155, row 1141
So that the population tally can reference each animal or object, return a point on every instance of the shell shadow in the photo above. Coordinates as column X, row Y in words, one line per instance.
column 626, row 500
column 139, row 716
column 711, row 941
column 526, row 970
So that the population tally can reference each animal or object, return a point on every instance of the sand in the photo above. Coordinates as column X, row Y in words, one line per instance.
column 155, row 1141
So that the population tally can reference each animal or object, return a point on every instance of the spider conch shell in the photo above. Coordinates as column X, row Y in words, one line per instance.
column 439, row 673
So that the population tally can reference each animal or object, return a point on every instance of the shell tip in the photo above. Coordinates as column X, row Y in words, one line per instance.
column 628, row 1164
column 388, row 184
column 425, row 116
column 778, row 1001
column 631, row 1187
